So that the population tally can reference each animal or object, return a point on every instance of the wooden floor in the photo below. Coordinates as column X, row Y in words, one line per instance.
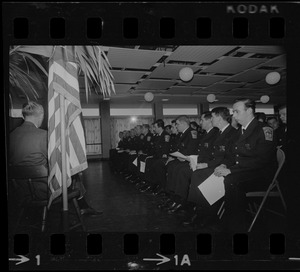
column 126, row 209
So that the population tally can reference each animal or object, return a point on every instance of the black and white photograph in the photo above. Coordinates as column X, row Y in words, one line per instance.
column 120, row 138
column 159, row 140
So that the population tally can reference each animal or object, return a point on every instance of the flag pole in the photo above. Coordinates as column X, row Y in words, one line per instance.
column 64, row 164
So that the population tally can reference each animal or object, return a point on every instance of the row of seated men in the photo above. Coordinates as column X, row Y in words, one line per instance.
column 245, row 155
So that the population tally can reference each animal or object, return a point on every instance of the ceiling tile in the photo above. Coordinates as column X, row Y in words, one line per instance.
column 245, row 92
column 249, row 76
column 181, row 90
column 133, row 58
column 222, row 87
column 262, row 49
column 233, row 65
column 126, row 76
column 121, row 88
column 279, row 61
column 170, row 71
column 201, row 54
column 264, row 85
column 203, row 80
column 155, row 84
column 147, row 90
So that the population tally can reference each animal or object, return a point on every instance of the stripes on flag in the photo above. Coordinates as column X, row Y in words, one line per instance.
column 63, row 81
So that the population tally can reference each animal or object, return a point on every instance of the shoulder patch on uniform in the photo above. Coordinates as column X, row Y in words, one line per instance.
column 268, row 133
column 167, row 138
column 194, row 134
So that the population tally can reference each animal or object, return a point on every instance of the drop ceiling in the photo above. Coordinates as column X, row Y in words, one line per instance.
column 226, row 71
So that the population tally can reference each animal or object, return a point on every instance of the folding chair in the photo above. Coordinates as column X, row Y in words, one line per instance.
column 272, row 191
column 28, row 176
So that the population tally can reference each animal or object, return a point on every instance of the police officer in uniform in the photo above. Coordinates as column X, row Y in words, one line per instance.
column 250, row 165
column 187, row 145
column 225, row 137
column 146, row 146
column 155, row 167
column 181, row 177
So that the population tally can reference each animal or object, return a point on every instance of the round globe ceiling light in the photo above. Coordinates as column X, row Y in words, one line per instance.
column 272, row 78
column 211, row 98
column 149, row 96
column 186, row 74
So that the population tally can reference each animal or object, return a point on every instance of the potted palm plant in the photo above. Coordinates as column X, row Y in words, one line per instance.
column 27, row 62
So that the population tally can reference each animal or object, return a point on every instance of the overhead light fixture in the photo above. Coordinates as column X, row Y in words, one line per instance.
column 186, row 74
column 149, row 96
column 273, row 78
column 264, row 99
column 211, row 98
column 165, row 99
column 133, row 119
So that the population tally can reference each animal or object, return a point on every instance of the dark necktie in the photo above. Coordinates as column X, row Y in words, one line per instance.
column 243, row 131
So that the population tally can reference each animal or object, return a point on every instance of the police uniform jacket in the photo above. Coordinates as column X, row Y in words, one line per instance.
column 188, row 141
column 138, row 142
column 254, row 149
column 121, row 144
column 125, row 143
column 280, row 135
column 206, row 144
column 221, row 144
column 28, row 146
column 148, row 143
column 161, row 145
column 130, row 143
column 174, row 142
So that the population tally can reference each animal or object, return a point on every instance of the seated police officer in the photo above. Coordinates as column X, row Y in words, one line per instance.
column 250, row 165
column 155, row 167
column 226, row 135
column 181, row 175
column 186, row 145
column 146, row 150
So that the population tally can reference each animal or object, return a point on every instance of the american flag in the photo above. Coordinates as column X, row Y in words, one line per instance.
column 63, row 81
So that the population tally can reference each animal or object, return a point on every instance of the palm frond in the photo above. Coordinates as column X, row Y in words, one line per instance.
column 91, row 60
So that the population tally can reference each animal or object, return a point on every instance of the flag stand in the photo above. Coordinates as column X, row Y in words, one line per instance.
column 65, row 214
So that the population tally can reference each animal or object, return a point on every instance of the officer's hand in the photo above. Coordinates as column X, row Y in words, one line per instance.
column 220, row 167
column 222, row 172
column 180, row 159
column 201, row 165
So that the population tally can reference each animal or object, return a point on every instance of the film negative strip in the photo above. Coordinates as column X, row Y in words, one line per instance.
column 157, row 24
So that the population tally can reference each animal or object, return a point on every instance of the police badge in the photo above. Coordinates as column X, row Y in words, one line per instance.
column 194, row 134
column 268, row 133
column 222, row 148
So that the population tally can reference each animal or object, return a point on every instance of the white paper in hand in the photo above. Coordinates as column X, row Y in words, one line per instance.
column 135, row 162
column 212, row 188
column 193, row 161
column 142, row 167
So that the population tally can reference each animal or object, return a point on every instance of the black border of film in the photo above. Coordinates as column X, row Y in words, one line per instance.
column 124, row 23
